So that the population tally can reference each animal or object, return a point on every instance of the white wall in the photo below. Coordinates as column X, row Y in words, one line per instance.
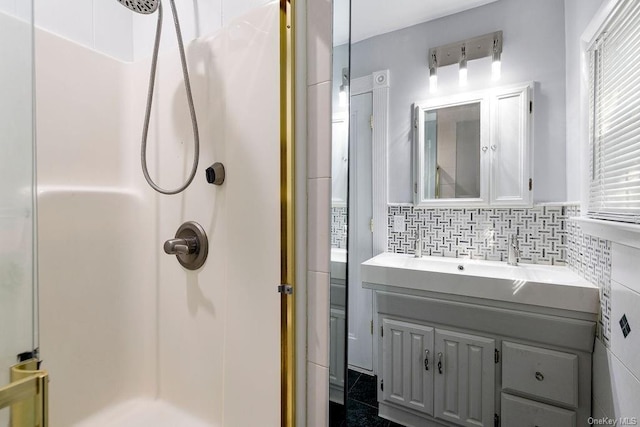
column 318, row 187
column 616, row 370
column 533, row 50
column 112, row 29
column 578, row 14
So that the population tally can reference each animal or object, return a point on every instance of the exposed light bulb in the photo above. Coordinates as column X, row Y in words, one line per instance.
column 342, row 97
column 496, row 70
column 433, row 80
column 463, row 74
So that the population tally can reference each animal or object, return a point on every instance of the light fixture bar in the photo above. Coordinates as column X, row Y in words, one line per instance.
column 475, row 48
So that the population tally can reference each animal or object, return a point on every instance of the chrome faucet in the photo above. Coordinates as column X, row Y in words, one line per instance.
column 514, row 250
column 418, row 246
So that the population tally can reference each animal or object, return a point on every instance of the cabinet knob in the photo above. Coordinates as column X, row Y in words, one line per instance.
column 484, row 149
column 539, row 376
column 440, row 363
column 494, row 147
column 426, row 360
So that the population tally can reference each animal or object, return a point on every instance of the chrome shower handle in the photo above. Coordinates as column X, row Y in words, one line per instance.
column 185, row 246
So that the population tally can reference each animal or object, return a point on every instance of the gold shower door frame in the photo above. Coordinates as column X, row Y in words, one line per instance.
column 287, row 212
column 27, row 394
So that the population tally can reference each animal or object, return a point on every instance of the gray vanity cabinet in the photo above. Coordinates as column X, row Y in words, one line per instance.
column 407, row 365
column 443, row 362
column 445, row 374
column 465, row 378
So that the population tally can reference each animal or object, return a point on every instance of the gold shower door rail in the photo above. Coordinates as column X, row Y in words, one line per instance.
column 27, row 395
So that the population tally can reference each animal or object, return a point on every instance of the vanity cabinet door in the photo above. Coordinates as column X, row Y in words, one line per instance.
column 337, row 327
column 511, row 148
column 464, row 378
column 407, row 365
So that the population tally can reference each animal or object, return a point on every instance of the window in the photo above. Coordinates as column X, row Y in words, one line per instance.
column 615, row 116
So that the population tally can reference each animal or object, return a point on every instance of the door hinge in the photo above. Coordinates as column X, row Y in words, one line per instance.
column 496, row 356
column 415, row 187
column 382, row 385
column 496, row 420
column 381, row 331
column 530, row 184
column 415, row 123
column 371, row 225
column 530, row 107
column 372, row 327
column 285, row 289
column 371, row 121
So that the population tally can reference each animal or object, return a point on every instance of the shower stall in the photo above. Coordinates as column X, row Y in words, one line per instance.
column 128, row 336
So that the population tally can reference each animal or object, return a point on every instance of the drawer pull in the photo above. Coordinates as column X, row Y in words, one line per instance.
column 539, row 376
column 440, row 363
column 426, row 360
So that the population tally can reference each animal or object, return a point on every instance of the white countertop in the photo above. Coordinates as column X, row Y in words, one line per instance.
column 338, row 263
column 533, row 284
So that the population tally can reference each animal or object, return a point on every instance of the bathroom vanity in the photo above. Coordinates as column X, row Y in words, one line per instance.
column 337, row 324
column 481, row 343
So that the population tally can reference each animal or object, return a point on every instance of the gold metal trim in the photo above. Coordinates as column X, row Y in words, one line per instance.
column 28, row 395
column 287, row 211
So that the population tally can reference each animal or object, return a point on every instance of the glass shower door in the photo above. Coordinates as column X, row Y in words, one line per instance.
column 18, row 302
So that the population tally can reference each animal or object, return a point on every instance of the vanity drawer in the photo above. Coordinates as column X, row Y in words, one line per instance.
column 519, row 412
column 548, row 374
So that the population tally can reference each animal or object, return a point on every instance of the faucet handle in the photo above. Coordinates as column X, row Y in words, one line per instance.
column 180, row 246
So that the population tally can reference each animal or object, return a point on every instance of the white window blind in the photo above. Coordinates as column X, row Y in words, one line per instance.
column 615, row 117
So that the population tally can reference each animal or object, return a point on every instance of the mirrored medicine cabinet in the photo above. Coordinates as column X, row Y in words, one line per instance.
column 474, row 149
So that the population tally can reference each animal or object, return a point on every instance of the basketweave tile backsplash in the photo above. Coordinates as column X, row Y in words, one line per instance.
column 590, row 257
column 339, row 227
column 482, row 233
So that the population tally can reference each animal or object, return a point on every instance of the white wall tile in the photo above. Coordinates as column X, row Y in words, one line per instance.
column 231, row 9
column 197, row 18
column 24, row 9
column 319, row 41
column 624, row 266
column 8, row 7
column 615, row 389
column 318, row 318
column 317, row 395
column 72, row 19
column 113, row 29
column 626, row 302
column 318, row 219
column 319, row 131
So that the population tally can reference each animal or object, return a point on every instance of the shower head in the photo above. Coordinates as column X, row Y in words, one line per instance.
column 141, row 6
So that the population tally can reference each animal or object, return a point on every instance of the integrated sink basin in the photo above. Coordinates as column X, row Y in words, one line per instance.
column 532, row 284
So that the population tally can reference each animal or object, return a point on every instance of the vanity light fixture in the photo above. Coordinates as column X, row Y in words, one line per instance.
column 433, row 74
column 488, row 45
column 344, row 88
column 463, row 66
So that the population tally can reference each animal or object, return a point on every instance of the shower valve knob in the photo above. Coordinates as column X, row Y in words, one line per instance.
column 215, row 174
column 190, row 245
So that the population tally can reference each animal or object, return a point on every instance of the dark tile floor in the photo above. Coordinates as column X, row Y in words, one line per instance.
column 362, row 404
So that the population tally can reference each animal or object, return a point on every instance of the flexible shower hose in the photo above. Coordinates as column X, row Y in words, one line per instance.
column 187, row 86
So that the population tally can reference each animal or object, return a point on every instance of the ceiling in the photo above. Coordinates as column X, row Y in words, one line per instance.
column 374, row 17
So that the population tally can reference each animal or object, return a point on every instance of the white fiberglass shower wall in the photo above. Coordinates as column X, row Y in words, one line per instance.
column 129, row 337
